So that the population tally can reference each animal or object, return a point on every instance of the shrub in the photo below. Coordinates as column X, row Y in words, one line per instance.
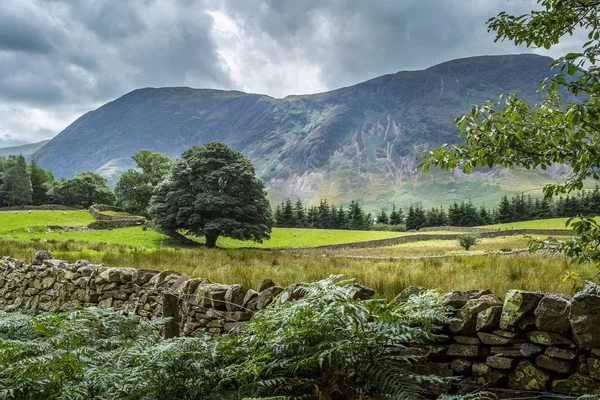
column 467, row 240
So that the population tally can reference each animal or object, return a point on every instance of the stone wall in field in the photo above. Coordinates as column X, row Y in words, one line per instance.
column 525, row 344
column 108, row 221
column 199, row 304
column 440, row 236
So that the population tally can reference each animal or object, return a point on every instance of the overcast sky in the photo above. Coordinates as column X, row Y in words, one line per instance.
column 62, row 58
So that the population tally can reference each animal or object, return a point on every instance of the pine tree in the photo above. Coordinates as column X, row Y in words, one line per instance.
column 300, row 214
column 40, row 183
column 356, row 217
column 505, row 211
column 396, row 217
column 288, row 214
column 279, row 215
column 16, row 183
column 382, row 218
column 411, row 221
column 324, row 214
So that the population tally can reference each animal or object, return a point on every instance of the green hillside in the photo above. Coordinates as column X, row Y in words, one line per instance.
column 26, row 149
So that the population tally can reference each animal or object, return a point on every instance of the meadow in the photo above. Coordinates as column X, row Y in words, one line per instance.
column 391, row 270
column 551, row 223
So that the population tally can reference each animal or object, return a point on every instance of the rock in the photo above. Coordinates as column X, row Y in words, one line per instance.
column 234, row 296
column 178, row 284
column 552, row 314
column 501, row 362
column 577, row 384
column 111, row 275
column 486, row 375
column 144, row 275
column 126, row 275
column 595, row 352
column 266, row 284
column 406, row 293
column 466, row 318
column 467, row 340
column 553, row 364
column 591, row 288
column 106, row 303
column 455, row 299
column 523, row 350
column 488, row 319
column 594, row 367
column 490, row 339
column 547, row 338
column 582, row 364
column 461, row 366
column 466, row 351
column 563, row 354
column 517, row 304
column 477, row 293
column 40, row 256
column 265, row 298
column 437, row 352
column 211, row 295
column 360, row 292
column 583, row 317
column 527, row 323
column 250, row 295
column 527, row 377
column 508, row 334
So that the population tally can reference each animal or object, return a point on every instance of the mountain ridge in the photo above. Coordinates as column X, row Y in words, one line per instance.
column 358, row 141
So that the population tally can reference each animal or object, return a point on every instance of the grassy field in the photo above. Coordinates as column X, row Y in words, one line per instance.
column 22, row 234
column 552, row 223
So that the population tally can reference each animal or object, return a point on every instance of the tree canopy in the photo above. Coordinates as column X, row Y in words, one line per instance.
column 83, row 190
column 15, row 188
column 213, row 191
column 134, row 187
column 511, row 132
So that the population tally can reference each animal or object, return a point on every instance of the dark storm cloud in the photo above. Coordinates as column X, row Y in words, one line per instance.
column 61, row 58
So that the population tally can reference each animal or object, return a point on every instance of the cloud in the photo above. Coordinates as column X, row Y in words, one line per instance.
column 61, row 58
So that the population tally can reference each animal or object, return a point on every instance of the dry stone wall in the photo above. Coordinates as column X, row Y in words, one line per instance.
column 528, row 342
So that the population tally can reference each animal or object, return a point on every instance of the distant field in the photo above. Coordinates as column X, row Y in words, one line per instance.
column 553, row 223
column 37, row 220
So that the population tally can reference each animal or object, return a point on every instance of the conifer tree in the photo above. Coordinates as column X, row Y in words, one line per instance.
column 382, row 218
column 40, row 183
column 16, row 183
column 300, row 214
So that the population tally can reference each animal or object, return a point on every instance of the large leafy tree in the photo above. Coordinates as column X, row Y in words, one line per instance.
column 83, row 190
column 511, row 132
column 16, row 183
column 212, row 191
column 41, row 181
column 134, row 187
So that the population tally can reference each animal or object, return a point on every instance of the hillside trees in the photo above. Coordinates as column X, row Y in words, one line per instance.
column 16, row 184
column 134, row 187
column 212, row 191
column 511, row 132
column 41, row 183
column 83, row 190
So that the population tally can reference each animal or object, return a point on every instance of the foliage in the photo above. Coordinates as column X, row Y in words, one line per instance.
column 512, row 132
column 468, row 240
column 213, row 191
column 83, row 190
column 41, row 183
column 325, row 345
column 134, row 187
column 15, row 188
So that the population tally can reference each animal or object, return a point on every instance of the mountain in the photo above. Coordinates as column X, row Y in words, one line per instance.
column 27, row 149
column 355, row 142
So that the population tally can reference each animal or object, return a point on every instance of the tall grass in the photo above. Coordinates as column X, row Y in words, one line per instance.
column 387, row 276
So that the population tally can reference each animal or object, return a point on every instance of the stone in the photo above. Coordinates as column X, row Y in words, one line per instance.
column 234, row 296
column 527, row 323
column 106, row 303
column 547, row 338
column 488, row 319
column 552, row 314
column 461, row 366
column 40, row 256
column 178, row 284
column 211, row 295
column 111, row 275
column 266, row 284
column 528, row 377
column 144, row 275
column 477, row 293
column 522, row 350
column 360, row 292
column 576, row 384
column 126, row 275
column 582, row 364
column 455, row 299
column 488, row 376
column 237, row 316
column 591, row 288
column 230, row 326
column 466, row 318
column 594, row 367
column 250, row 295
column 583, row 317
column 467, row 340
column 265, row 298
column 501, row 362
column 437, row 352
column 466, row 351
column 563, row 354
column 494, row 340
column 554, row 364
column 517, row 304
column 595, row 352
column 48, row 282
column 407, row 292
column 508, row 334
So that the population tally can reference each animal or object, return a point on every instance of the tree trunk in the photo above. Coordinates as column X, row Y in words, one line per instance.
column 211, row 239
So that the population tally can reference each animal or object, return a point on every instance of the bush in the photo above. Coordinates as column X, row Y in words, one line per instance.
column 388, row 227
column 467, row 240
